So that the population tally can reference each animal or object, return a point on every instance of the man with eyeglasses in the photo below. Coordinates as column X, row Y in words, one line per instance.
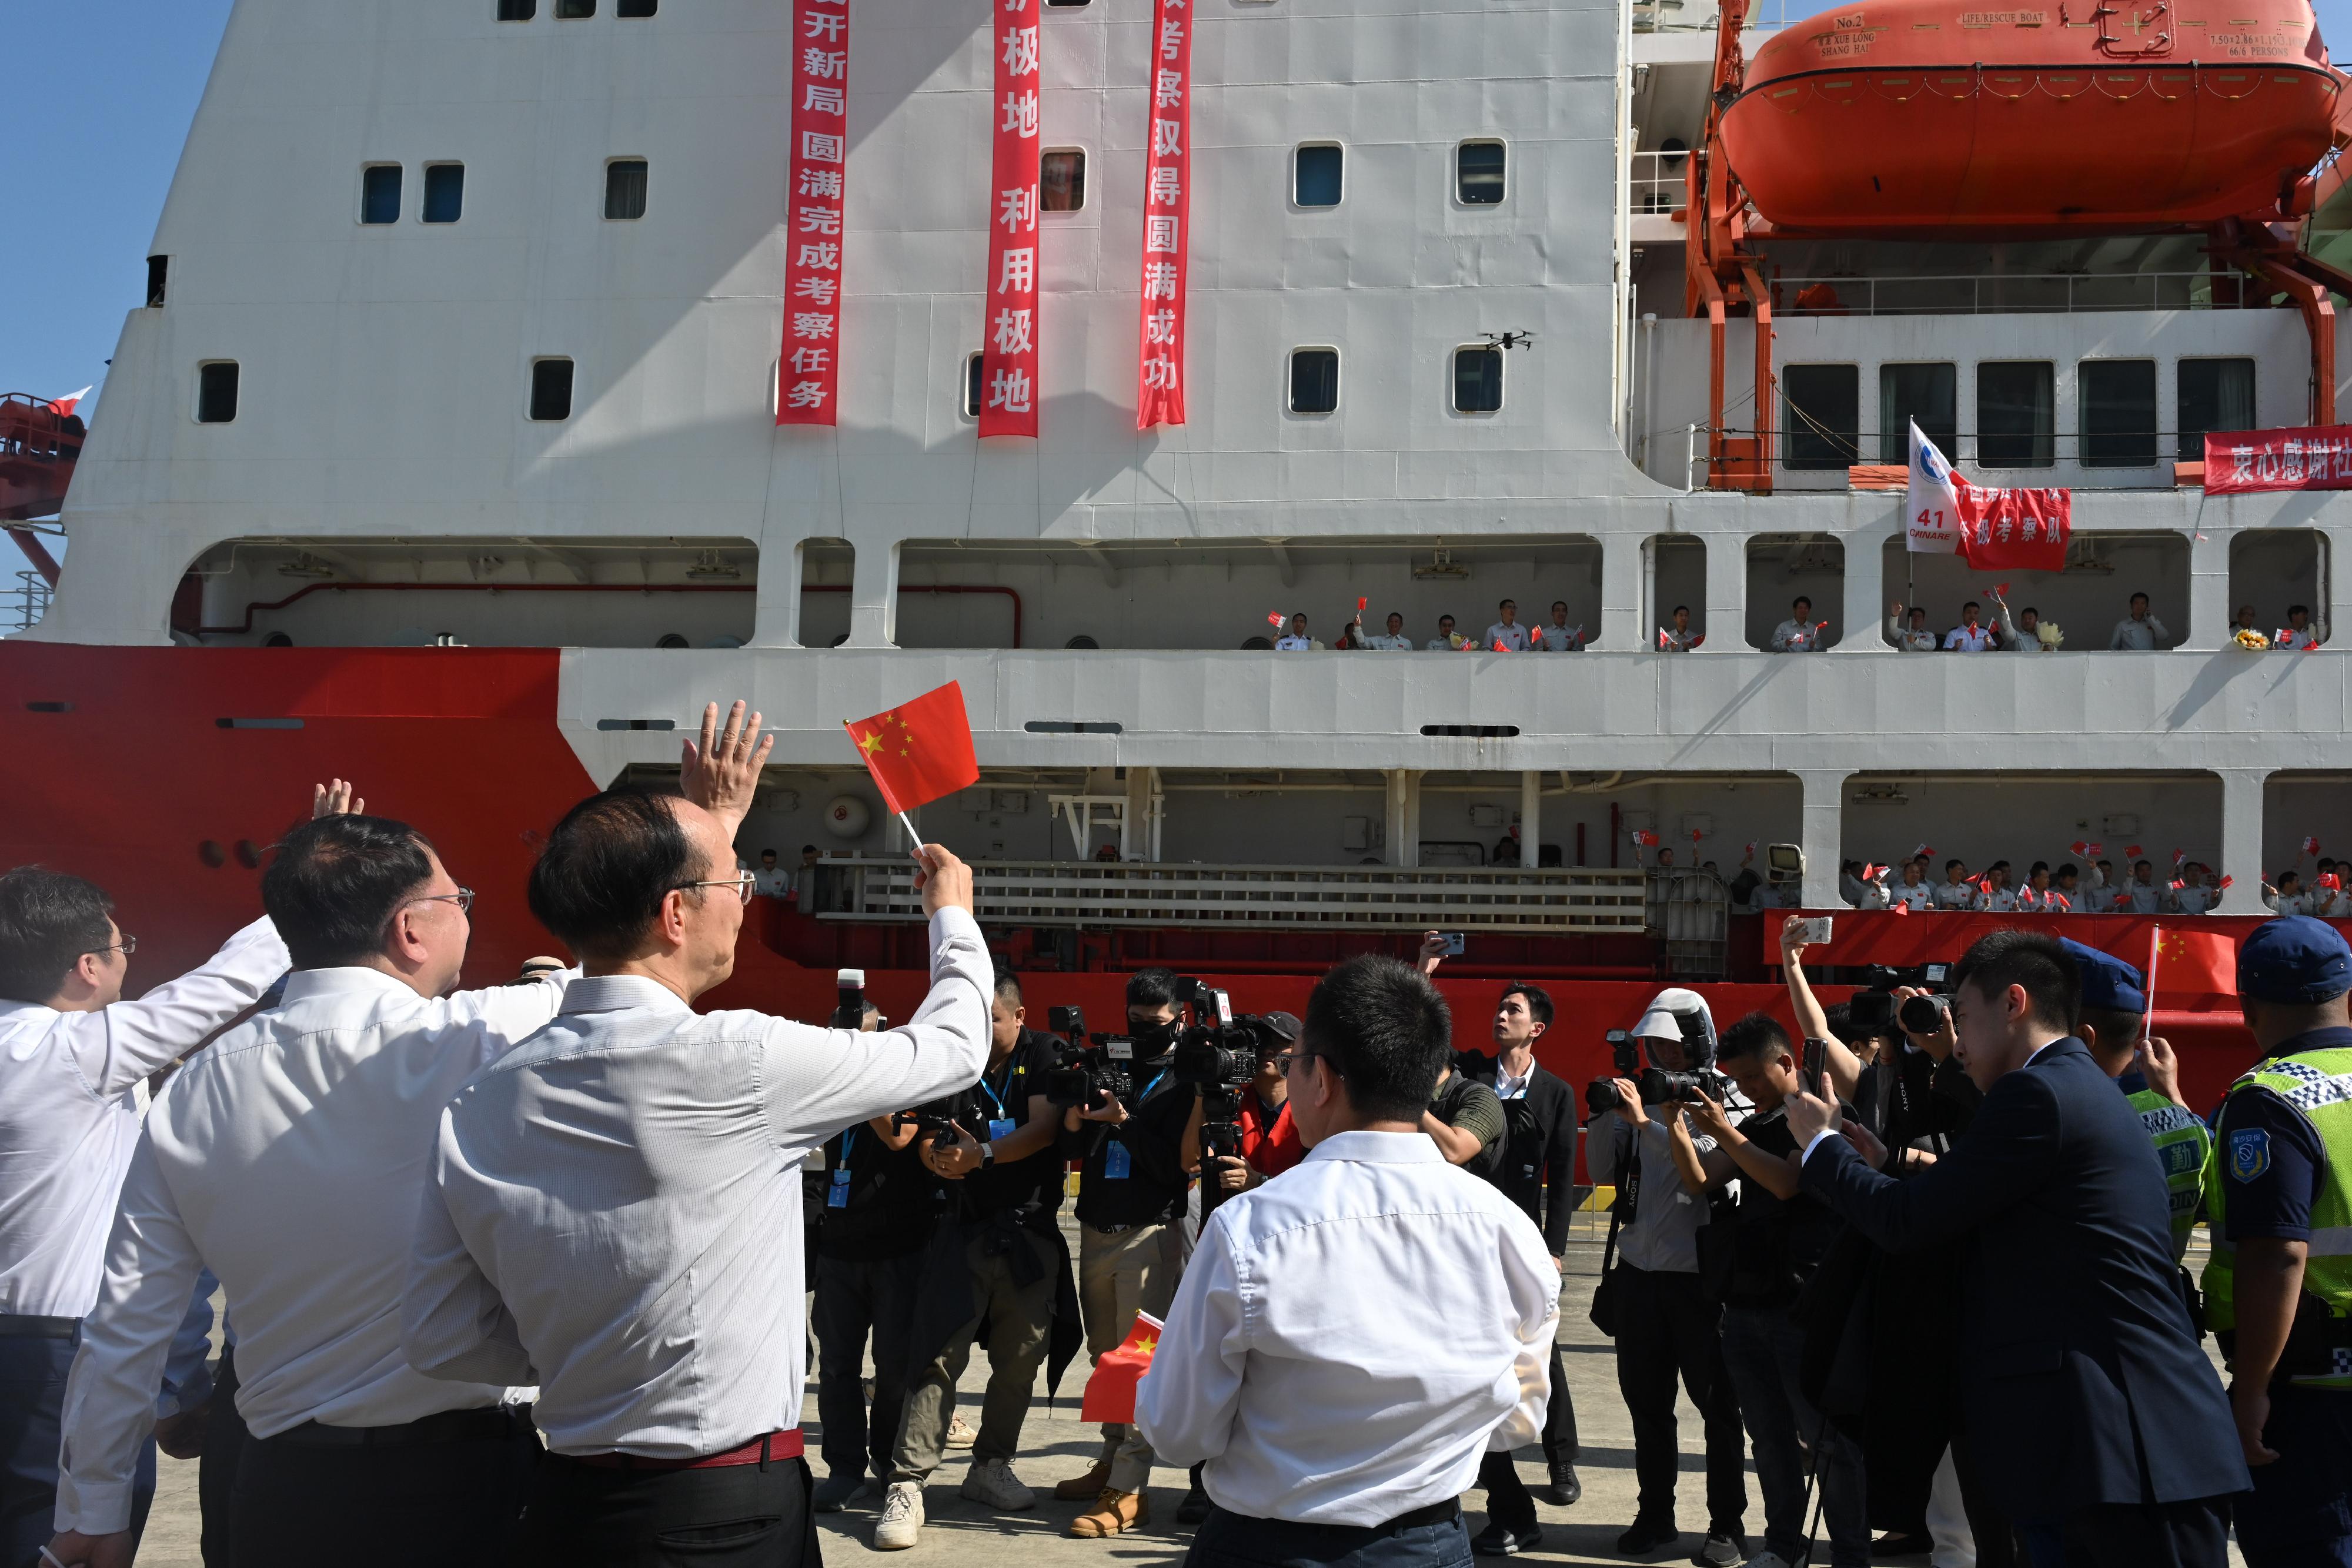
column 291, row 1158
column 72, row 1052
column 615, row 1209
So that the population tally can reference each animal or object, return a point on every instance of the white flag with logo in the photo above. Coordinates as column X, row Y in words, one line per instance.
column 1931, row 503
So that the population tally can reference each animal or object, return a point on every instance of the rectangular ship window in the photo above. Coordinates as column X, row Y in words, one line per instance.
column 572, row 10
column 1478, row 173
column 2119, row 410
column 380, row 194
column 1928, row 395
column 1823, row 423
column 625, row 188
column 159, row 275
column 2017, row 421
column 517, row 10
column 634, row 9
column 1316, row 173
column 1477, row 380
column 972, row 387
column 550, row 389
column 1061, row 180
column 2214, row 394
column 1314, row 381
column 217, row 392
column 444, row 192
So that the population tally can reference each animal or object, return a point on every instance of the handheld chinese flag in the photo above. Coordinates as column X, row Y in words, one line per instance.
column 2188, row 969
column 1273, row 618
column 918, row 750
column 1110, row 1391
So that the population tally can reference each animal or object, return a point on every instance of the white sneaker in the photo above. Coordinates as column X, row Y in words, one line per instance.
column 992, row 1481
column 901, row 1524
column 1768, row 1560
column 960, row 1432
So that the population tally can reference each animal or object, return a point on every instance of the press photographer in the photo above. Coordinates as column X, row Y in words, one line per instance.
column 1779, row 1238
column 1664, row 1321
column 999, row 1261
column 1137, row 1137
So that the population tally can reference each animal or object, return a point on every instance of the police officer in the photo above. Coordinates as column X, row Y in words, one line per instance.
column 2279, row 1290
column 2114, row 1026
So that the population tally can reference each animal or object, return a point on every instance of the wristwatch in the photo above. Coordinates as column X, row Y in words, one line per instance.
column 987, row 1155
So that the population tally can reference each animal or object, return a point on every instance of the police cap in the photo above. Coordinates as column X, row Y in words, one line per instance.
column 2109, row 984
column 2294, row 959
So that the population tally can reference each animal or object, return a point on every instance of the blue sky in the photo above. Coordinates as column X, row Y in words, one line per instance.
column 99, row 96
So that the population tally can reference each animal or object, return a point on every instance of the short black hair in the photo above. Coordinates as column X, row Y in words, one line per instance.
column 2295, row 610
column 1153, row 988
column 1562, row 604
column 47, row 921
column 808, row 848
column 607, row 866
column 1512, row 602
column 2137, row 596
column 1008, row 988
column 2032, row 961
column 2029, row 610
column 1951, row 863
column 1445, row 618
column 767, row 851
column 1758, row 1035
column 2068, row 870
column 335, row 883
column 2037, row 866
column 1805, row 600
column 2137, row 864
column 2115, row 1026
column 1385, row 1030
column 1539, row 1000
column 1972, row 605
column 1682, row 610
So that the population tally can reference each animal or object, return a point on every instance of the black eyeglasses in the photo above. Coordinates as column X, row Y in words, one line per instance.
column 127, row 946
column 1290, row 1061
column 742, row 883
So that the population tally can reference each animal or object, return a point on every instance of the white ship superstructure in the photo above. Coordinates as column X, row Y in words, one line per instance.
column 320, row 428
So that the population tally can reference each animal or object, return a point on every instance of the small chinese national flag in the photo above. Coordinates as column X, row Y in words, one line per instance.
column 918, row 750
column 1110, row 1391
column 2189, row 966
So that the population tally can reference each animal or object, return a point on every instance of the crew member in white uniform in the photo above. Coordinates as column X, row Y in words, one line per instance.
column 1800, row 634
column 1915, row 895
column 1393, row 641
column 1506, row 629
column 290, row 1157
column 617, row 1210
column 1956, row 893
column 1910, row 636
column 72, row 1052
column 1560, row 637
column 1352, row 1338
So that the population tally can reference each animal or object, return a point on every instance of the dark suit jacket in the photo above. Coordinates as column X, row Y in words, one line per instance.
column 2082, row 1382
column 1537, row 1171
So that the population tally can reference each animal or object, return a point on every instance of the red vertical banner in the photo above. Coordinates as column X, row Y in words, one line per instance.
column 807, row 372
column 1167, row 216
column 1008, row 355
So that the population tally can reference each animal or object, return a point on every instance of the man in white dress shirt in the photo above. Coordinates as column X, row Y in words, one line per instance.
column 72, row 1055
column 1352, row 1337
column 1506, row 630
column 615, row 1209
column 1560, row 637
column 289, row 1158
column 1800, row 634
column 1393, row 641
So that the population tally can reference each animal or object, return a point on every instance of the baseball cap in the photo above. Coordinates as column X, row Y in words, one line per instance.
column 2294, row 959
column 2109, row 984
column 1283, row 1027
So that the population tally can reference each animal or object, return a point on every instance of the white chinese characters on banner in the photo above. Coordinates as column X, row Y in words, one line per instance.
column 808, row 380
column 1008, row 354
column 1167, row 214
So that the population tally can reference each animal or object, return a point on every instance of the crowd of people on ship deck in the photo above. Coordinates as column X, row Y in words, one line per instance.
column 1908, row 629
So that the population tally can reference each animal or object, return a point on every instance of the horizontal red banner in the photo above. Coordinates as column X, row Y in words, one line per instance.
column 2314, row 457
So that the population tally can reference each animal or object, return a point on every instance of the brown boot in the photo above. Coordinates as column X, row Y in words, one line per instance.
column 1114, row 1513
column 1077, row 1488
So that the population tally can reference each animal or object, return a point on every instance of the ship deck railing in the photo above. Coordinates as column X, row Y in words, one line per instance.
column 1105, row 893
column 2010, row 294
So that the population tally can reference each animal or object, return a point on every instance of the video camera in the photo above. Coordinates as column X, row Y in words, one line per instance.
column 1088, row 1067
column 1874, row 1009
column 1655, row 1085
column 1217, row 1056
column 930, row 1120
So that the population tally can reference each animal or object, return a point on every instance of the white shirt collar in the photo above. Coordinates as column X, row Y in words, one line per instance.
column 337, row 977
column 1378, row 1148
column 618, row 993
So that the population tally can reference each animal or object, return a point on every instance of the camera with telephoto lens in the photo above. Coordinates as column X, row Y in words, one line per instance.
column 1655, row 1085
column 931, row 1119
column 1088, row 1071
column 1916, row 1014
column 1624, row 1061
column 1217, row 1056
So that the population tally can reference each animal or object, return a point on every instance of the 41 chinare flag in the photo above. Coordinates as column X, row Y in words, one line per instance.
column 918, row 750
column 2024, row 531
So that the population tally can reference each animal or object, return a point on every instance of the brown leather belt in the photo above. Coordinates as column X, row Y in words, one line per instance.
column 758, row 1452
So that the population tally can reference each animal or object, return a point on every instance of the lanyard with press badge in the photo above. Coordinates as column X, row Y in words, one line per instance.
column 1001, row 1124
column 1119, row 1163
column 837, row 1195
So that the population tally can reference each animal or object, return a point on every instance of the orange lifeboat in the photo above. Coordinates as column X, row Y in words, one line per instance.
column 1922, row 118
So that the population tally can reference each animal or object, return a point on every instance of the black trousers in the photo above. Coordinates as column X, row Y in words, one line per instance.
column 1667, row 1327
column 33, row 1368
column 2133, row 1535
column 451, row 1504
column 1560, row 1443
column 1234, row 1541
column 225, row 1441
column 1508, row 1502
column 727, row 1516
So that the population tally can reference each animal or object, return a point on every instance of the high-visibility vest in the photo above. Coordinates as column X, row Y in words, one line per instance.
column 2318, row 1085
column 2183, row 1145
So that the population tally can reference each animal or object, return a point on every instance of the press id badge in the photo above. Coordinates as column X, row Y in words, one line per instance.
column 1116, row 1161
column 837, row 1195
column 999, row 1127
